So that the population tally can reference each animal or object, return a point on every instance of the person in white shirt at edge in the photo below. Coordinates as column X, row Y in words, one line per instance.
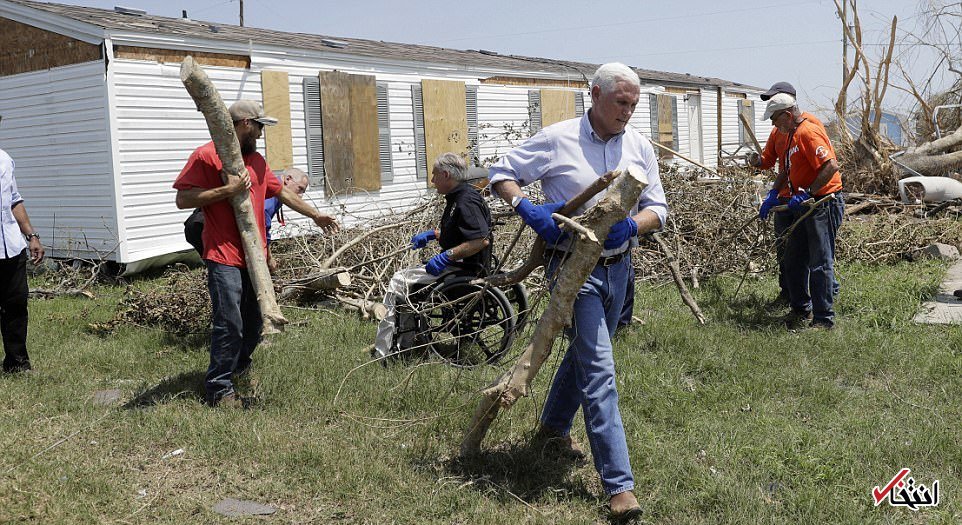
column 18, row 238
column 567, row 157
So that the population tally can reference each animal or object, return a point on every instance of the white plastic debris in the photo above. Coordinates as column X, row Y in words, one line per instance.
column 173, row 453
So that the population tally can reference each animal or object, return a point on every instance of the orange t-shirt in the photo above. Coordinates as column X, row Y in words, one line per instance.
column 808, row 151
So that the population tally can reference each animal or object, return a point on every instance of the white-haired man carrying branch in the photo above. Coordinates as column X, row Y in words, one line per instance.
column 567, row 157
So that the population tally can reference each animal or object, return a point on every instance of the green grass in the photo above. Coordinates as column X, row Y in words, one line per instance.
column 738, row 422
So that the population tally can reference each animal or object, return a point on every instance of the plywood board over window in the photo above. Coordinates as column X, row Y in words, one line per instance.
column 746, row 108
column 556, row 105
column 349, row 120
column 277, row 103
column 664, row 122
column 445, row 118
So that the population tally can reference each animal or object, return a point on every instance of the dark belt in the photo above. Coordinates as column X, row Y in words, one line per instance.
column 602, row 261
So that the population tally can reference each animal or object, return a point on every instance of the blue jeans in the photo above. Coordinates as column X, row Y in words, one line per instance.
column 236, row 327
column 586, row 376
column 810, row 259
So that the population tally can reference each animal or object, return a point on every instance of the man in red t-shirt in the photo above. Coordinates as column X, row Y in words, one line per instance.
column 236, row 318
column 807, row 169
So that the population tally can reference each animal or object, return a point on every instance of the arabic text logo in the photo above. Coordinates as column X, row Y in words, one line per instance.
column 904, row 492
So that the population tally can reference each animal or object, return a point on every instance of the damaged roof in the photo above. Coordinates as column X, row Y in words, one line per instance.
column 350, row 47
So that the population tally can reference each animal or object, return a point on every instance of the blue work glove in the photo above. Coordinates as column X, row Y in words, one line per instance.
column 438, row 263
column 422, row 239
column 621, row 232
column 770, row 202
column 539, row 218
column 795, row 203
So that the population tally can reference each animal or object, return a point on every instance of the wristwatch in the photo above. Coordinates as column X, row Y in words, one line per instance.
column 516, row 200
column 32, row 235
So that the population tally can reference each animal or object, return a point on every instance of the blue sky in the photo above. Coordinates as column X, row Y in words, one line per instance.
column 756, row 42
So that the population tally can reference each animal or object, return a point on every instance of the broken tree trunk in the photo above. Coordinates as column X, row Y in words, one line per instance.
column 323, row 280
column 221, row 128
column 621, row 197
column 536, row 256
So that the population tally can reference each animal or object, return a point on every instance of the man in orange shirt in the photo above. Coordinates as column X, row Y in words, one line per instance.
column 808, row 169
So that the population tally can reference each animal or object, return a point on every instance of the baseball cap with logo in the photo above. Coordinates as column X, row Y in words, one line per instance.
column 777, row 103
column 779, row 87
column 250, row 109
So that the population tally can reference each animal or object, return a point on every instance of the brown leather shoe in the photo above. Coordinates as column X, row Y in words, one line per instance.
column 232, row 400
column 550, row 442
column 623, row 507
column 797, row 319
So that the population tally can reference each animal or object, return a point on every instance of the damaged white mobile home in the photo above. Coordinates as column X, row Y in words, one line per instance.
column 99, row 125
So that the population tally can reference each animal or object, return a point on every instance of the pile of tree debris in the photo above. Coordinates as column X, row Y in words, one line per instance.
column 712, row 229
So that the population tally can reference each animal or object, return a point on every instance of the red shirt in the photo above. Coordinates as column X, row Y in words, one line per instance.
column 222, row 241
column 809, row 150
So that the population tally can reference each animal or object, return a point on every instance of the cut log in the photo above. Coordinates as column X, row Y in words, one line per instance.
column 221, row 128
column 620, row 199
column 368, row 309
column 322, row 281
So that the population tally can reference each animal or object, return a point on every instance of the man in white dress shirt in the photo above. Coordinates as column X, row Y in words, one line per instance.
column 566, row 158
column 17, row 237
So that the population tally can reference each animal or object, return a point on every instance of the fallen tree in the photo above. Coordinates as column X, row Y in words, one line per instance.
column 621, row 197
column 222, row 132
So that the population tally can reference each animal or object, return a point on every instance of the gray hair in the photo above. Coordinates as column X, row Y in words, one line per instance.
column 295, row 174
column 453, row 164
column 613, row 72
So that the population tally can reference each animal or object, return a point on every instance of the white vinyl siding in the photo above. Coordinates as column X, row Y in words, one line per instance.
column 158, row 127
column 55, row 127
column 503, row 120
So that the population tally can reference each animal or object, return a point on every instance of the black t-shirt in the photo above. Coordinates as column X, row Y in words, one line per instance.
column 466, row 217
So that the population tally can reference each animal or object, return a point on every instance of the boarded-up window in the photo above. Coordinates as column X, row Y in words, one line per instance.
column 746, row 108
column 534, row 110
column 315, row 135
column 445, row 118
column 276, row 92
column 351, row 142
column 420, row 153
column 471, row 104
column 556, row 105
column 664, row 122
column 384, row 132
column 579, row 103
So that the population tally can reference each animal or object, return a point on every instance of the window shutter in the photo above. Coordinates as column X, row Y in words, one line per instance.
column 471, row 103
column 534, row 111
column 315, row 137
column 420, row 148
column 579, row 103
column 674, row 124
column 653, row 116
column 384, row 133
column 745, row 107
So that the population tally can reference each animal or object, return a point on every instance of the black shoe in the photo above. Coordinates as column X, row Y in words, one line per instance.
column 797, row 319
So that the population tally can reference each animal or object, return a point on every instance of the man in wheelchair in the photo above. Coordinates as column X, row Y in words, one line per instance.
column 464, row 235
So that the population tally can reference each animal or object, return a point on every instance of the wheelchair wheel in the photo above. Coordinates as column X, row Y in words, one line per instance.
column 468, row 324
column 517, row 295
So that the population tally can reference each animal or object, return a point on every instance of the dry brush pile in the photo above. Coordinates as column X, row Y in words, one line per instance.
column 712, row 229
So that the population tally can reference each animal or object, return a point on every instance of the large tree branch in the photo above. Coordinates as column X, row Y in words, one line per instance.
column 620, row 198
column 221, row 127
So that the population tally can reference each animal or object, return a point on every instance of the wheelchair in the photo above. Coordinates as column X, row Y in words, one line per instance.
column 462, row 323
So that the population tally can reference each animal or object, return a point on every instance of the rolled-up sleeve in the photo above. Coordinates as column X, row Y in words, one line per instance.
column 525, row 163
column 653, row 196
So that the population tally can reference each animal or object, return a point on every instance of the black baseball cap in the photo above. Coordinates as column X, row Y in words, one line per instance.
column 779, row 87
